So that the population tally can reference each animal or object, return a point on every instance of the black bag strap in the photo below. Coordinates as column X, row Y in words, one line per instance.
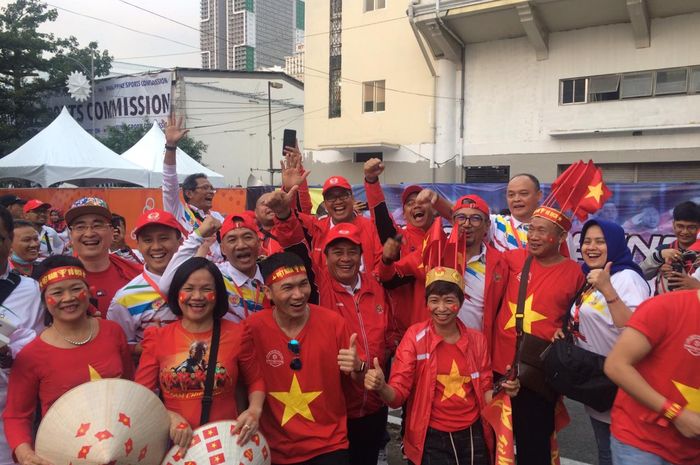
column 567, row 316
column 9, row 284
column 522, row 295
column 208, row 397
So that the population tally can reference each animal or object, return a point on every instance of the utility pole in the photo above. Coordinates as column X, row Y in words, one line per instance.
column 276, row 85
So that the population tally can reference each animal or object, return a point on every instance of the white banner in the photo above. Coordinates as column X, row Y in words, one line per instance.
column 131, row 100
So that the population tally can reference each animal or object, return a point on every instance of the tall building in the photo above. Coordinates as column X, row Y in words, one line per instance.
column 248, row 35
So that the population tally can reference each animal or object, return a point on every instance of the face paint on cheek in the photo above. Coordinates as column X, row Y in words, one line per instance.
column 50, row 300
column 83, row 296
column 551, row 240
column 182, row 296
column 454, row 308
column 210, row 296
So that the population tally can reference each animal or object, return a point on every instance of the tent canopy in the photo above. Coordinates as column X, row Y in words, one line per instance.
column 148, row 153
column 64, row 152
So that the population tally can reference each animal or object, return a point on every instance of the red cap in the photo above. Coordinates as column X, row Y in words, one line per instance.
column 410, row 190
column 472, row 201
column 336, row 181
column 239, row 220
column 160, row 217
column 346, row 231
column 34, row 204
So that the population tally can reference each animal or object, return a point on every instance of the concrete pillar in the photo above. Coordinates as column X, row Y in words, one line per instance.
column 446, row 116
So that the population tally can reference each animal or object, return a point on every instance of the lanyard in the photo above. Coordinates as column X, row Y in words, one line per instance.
column 577, row 310
column 155, row 287
column 243, row 301
column 515, row 233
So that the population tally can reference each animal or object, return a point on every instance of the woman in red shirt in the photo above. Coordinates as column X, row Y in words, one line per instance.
column 176, row 357
column 74, row 349
column 443, row 371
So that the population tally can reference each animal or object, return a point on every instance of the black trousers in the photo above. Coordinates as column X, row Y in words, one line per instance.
column 337, row 457
column 533, row 425
column 366, row 436
column 464, row 447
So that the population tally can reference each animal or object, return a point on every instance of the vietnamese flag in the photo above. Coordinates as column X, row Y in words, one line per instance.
column 499, row 414
column 455, row 252
column 571, row 187
column 433, row 245
column 596, row 196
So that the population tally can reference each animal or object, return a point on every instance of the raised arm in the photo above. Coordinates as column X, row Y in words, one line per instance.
column 174, row 132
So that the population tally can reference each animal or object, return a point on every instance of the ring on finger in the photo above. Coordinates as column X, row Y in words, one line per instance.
column 246, row 426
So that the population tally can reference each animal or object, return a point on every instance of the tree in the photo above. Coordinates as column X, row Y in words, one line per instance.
column 33, row 63
column 122, row 138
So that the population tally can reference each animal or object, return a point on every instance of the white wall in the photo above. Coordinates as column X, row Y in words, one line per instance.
column 242, row 144
column 512, row 100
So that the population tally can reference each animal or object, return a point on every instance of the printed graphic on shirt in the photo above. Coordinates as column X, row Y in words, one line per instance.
column 453, row 383
column 295, row 401
column 596, row 301
column 185, row 373
column 692, row 345
column 690, row 394
column 530, row 315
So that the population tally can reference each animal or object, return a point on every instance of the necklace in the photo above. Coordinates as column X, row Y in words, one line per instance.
column 76, row 343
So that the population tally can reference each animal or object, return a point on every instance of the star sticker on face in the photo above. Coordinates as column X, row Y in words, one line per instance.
column 529, row 315
column 295, row 401
column 453, row 383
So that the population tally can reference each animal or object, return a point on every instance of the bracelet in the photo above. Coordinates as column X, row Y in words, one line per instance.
column 671, row 410
column 612, row 301
column 362, row 367
column 170, row 147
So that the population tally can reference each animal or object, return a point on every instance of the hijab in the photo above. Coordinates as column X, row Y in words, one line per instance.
column 618, row 252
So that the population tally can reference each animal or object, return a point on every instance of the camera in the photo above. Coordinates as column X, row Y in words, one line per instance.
column 685, row 262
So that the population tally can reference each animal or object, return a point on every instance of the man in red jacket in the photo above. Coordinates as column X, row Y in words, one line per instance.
column 90, row 224
column 338, row 200
column 552, row 283
column 302, row 349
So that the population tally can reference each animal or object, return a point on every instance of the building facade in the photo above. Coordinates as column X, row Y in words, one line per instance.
column 248, row 35
column 521, row 86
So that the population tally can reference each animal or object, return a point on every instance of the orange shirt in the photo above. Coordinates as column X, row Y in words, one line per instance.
column 176, row 361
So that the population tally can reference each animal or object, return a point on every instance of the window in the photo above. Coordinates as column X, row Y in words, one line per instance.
column 482, row 174
column 671, row 81
column 573, row 90
column 371, row 5
column 602, row 88
column 694, row 80
column 361, row 157
column 636, row 85
column 373, row 96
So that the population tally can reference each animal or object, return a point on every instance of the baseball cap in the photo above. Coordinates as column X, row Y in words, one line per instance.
column 407, row 192
column 11, row 199
column 471, row 201
column 236, row 221
column 34, row 204
column 336, row 181
column 346, row 231
column 160, row 217
column 86, row 206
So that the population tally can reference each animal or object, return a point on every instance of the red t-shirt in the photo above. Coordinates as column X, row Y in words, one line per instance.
column 43, row 372
column 455, row 406
column 550, row 290
column 305, row 414
column 176, row 361
column 105, row 284
column 671, row 324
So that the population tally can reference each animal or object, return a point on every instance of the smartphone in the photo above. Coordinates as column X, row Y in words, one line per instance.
column 290, row 139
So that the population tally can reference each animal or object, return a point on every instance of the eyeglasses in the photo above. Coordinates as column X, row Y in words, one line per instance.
column 337, row 198
column 294, row 347
column 474, row 220
column 97, row 227
column 205, row 188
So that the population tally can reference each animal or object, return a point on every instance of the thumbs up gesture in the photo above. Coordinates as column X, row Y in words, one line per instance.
column 600, row 279
column 374, row 378
column 347, row 358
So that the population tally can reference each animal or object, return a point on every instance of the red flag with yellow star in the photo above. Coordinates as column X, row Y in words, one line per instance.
column 433, row 245
column 598, row 193
column 499, row 414
column 455, row 255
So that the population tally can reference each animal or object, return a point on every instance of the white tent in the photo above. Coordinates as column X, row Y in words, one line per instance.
column 148, row 153
column 65, row 152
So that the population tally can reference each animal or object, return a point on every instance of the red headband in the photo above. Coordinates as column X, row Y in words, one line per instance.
column 61, row 274
column 284, row 272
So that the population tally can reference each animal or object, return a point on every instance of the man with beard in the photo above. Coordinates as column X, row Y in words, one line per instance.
column 90, row 224
column 552, row 283
column 50, row 243
column 240, row 244
column 197, row 192
column 140, row 303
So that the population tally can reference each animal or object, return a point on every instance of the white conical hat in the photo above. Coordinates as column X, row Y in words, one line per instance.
column 213, row 444
column 108, row 421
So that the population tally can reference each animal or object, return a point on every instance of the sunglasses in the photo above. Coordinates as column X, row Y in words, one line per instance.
column 294, row 347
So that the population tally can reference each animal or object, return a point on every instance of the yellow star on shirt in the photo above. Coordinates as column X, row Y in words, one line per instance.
column 453, row 383
column 296, row 402
column 595, row 192
column 596, row 303
column 94, row 375
column 690, row 394
column 529, row 315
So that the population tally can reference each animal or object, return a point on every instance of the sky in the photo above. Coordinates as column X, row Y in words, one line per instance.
column 130, row 48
